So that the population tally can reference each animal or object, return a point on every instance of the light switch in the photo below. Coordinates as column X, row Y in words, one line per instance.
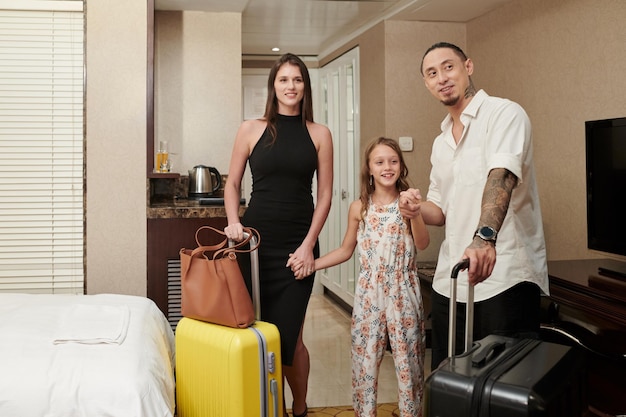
column 406, row 143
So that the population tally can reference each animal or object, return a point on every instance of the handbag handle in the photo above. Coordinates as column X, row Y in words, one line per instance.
column 234, row 247
column 221, row 249
column 217, row 246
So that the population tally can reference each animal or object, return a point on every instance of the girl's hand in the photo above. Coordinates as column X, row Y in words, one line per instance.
column 409, row 203
column 294, row 263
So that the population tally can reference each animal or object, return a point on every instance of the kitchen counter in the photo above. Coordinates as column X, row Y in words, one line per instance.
column 167, row 198
column 178, row 208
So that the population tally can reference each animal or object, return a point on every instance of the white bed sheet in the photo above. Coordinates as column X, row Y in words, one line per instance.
column 124, row 376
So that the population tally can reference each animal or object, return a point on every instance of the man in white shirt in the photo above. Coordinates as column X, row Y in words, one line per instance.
column 483, row 189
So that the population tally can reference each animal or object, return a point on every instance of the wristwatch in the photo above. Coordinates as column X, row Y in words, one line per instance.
column 486, row 233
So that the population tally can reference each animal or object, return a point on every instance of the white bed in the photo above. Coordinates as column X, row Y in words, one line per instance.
column 85, row 355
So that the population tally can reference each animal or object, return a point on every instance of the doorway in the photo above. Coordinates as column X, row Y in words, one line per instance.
column 339, row 96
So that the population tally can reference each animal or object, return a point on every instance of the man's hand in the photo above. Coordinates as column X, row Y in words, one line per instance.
column 482, row 256
column 409, row 203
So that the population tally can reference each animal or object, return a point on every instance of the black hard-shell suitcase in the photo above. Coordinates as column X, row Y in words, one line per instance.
column 505, row 377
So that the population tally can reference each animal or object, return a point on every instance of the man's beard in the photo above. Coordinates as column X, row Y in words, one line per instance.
column 470, row 91
column 450, row 101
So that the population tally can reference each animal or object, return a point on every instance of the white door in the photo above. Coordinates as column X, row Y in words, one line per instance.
column 339, row 95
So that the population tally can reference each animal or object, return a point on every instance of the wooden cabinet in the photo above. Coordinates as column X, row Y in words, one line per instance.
column 426, row 273
column 165, row 239
column 588, row 309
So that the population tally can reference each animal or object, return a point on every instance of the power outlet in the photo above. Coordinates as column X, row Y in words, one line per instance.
column 406, row 143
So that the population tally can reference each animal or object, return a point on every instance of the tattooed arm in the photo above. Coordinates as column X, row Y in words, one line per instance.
column 495, row 204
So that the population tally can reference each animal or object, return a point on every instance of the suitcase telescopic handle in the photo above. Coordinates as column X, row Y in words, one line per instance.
column 469, row 311
column 254, row 274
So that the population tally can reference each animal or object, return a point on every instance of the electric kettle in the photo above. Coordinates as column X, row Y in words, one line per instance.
column 203, row 181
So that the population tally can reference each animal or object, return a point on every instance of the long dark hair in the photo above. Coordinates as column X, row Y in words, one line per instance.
column 271, row 106
column 367, row 188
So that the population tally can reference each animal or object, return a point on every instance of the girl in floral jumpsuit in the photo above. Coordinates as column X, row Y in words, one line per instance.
column 387, row 303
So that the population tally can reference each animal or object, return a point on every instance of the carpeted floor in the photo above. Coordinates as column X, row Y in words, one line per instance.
column 384, row 410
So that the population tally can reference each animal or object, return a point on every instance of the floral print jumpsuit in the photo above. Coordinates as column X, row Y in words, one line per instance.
column 388, row 305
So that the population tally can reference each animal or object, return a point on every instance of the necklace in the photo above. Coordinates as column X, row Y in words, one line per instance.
column 379, row 202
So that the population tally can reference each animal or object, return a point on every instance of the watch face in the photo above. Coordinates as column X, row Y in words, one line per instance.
column 487, row 233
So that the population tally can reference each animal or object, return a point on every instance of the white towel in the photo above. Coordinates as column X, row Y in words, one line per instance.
column 93, row 324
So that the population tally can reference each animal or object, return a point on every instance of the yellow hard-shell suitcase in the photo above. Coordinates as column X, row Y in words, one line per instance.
column 222, row 371
column 227, row 372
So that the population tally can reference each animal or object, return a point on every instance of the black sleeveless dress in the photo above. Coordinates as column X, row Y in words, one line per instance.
column 281, row 209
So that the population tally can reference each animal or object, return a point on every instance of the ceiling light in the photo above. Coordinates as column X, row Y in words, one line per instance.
column 275, row 49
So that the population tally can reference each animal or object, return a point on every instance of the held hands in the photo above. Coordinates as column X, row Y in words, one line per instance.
column 302, row 263
column 409, row 203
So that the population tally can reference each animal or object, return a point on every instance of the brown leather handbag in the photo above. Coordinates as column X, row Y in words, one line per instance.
column 213, row 288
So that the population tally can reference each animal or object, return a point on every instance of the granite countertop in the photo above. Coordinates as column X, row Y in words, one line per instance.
column 167, row 198
column 182, row 208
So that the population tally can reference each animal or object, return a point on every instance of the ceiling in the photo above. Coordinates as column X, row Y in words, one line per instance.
column 317, row 27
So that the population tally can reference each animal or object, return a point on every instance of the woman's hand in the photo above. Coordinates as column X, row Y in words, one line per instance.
column 234, row 231
column 301, row 262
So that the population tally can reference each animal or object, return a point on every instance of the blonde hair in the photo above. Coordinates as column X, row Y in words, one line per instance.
column 367, row 186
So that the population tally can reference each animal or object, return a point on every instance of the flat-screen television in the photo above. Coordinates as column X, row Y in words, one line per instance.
column 606, row 185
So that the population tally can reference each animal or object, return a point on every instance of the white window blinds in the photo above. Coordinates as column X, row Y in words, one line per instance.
column 41, row 148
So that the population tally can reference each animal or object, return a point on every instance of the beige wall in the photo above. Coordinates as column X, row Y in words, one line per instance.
column 116, row 147
column 116, row 64
column 198, row 86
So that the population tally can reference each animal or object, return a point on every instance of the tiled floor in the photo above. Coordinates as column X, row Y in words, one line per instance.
column 327, row 336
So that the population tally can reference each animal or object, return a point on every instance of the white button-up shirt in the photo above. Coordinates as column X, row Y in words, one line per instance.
column 496, row 134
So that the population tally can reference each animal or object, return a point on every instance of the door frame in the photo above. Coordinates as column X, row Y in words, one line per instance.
column 339, row 95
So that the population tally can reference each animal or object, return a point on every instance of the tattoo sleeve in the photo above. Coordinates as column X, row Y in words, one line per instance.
column 496, row 197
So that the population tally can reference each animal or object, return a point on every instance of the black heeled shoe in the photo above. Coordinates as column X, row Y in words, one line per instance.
column 304, row 414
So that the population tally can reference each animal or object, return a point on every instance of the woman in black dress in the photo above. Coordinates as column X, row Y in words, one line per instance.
column 284, row 149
